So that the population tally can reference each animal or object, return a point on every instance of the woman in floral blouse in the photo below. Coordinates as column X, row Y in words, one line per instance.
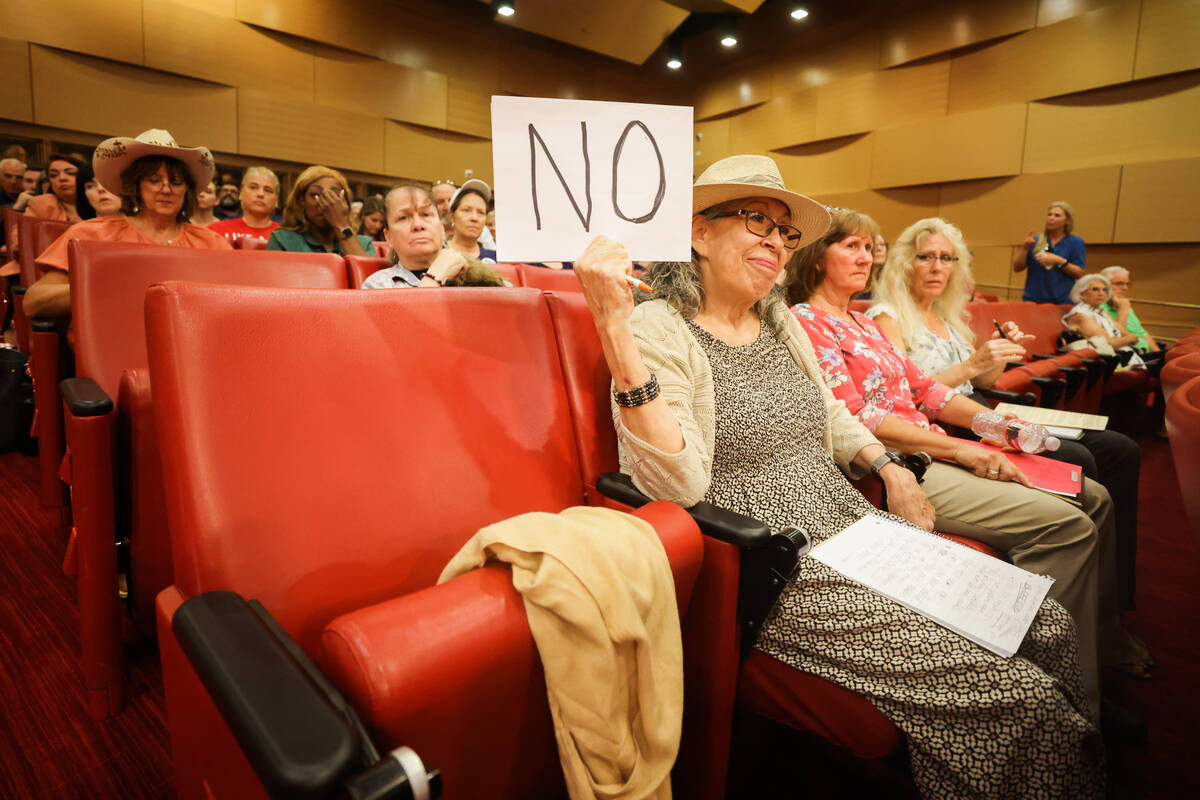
column 975, row 492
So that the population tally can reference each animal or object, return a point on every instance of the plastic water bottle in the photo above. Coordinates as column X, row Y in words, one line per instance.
column 1028, row 437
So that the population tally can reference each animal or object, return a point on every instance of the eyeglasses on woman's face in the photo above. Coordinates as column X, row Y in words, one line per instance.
column 760, row 224
column 929, row 258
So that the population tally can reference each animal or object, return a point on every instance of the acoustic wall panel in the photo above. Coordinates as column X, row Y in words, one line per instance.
column 712, row 143
column 16, row 88
column 893, row 209
column 1052, row 11
column 82, row 93
column 630, row 30
column 1152, row 120
column 283, row 128
column 741, row 89
column 882, row 98
column 992, row 265
column 1090, row 50
column 199, row 44
column 367, row 85
column 977, row 144
column 428, row 154
column 468, row 110
column 1167, row 40
column 780, row 122
column 108, row 30
column 839, row 51
column 998, row 211
column 1165, row 272
column 1159, row 202
column 835, row 165
column 936, row 28
column 362, row 27
column 544, row 74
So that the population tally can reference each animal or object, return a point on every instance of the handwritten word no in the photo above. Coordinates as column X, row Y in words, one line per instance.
column 585, row 217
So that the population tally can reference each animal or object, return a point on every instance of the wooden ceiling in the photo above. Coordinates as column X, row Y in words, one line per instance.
column 630, row 30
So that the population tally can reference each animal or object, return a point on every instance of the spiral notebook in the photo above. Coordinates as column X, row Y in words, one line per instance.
column 984, row 599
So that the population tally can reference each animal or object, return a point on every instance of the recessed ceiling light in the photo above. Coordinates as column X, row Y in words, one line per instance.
column 505, row 8
column 674, row 63
column 729, row 40
column 799, row 13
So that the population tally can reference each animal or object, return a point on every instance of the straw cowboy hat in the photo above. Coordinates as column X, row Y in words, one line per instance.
column 113, row 155
column 758, row 176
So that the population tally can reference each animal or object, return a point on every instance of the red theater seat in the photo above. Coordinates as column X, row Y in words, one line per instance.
column 1177, row 372
column 113, row 463
column 359, row 268
column 370, row 435
column 249, row 243
column 555, row 280
column 1183, row 429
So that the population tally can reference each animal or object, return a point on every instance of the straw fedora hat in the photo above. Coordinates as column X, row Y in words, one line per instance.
column 113, row 155
column 758, row 176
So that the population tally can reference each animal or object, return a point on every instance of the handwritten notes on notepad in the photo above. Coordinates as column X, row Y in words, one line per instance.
column 987, row 600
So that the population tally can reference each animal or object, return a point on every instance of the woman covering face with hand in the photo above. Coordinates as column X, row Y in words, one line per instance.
column 719, row 396
column 316, row 217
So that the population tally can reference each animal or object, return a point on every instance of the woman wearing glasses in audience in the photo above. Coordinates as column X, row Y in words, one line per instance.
column 920, row 305
column 976, row 492
column 719, row 396
column 316, row 217
column 158, row 181
column 1054, row 259
column 468, row 210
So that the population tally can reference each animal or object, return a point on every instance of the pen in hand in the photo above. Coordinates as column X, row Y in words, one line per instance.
column 638, row 283
column 1000, row 330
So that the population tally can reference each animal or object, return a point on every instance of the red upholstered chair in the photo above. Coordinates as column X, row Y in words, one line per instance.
column 113, row 463
column 249, row 243
column 713, row 657
column 382, row 249
column 1177, row 372
column 508, row 272
column 1182, row 349
column 370, row 435
column 556, row 280
column 1183, row 429
column 359, row 268
column 860, row 306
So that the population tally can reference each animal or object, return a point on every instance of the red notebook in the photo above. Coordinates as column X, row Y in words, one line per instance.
column 1057, row 477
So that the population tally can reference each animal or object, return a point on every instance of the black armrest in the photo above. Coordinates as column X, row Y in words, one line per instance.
column 18, row 290
column 1014, row 364
column 43, row 324
column 719, row 523
column 1075, row 376
column 999, row 395
column 1041, row 356
column 84, row 397
column 1052, row 389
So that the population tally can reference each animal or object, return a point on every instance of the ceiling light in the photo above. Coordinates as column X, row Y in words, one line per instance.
column 727, row 28
column 729, row 40
column 799, row 13
column 674, row 63
column 505, row 8
column 675, row 52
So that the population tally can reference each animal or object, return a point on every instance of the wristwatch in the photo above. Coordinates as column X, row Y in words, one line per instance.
column 888, row 457
column 346, row 233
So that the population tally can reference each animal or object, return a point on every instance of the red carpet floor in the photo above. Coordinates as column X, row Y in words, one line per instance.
column 51, row 749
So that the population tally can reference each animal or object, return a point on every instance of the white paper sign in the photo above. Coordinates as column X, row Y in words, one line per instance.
column 567, row 171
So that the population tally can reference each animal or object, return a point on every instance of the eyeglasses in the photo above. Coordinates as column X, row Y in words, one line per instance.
column 760, row 224
column 158, row 184
column 927, row 258
column 1126, row 284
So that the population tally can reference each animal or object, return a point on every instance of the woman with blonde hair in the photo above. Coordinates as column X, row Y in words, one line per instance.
column 1054, row 259
column 316, row 217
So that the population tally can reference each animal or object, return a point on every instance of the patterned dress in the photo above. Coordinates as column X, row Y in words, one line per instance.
column 977, row 725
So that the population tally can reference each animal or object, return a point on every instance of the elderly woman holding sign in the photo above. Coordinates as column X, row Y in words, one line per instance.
column 719, row 397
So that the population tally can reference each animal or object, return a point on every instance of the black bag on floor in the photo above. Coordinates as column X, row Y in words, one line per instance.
column 16, row 402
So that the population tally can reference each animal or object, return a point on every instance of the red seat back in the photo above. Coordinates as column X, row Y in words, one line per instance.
column 554, row 280
column 860, row 306
column 340, row 455
column 1177, row 372
column 25, row 252
column 1183, row 429
column 45, row 231
column 249, row 243
column 382, row 249
column 508, row 272
column 359, row 268
column 109, row 282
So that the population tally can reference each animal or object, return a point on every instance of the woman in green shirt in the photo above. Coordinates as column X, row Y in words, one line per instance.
column 316, row 217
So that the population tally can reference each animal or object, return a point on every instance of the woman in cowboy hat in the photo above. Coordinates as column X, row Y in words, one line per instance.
column 157, row 182
column 719, row 397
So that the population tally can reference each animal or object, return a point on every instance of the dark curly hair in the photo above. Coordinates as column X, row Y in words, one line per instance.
column 144, row 167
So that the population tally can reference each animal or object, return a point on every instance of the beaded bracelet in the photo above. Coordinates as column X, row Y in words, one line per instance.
column 434, row 279
column 638, row 395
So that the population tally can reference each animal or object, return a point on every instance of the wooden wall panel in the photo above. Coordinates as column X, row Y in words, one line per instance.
column 780, row 122
column 835, row 165
column 1052, row 11
column 893, row 209
column 89, row 94
column 468, row 110
column 945, row 27
column 630, row 30
column 368, row 85
column 887, row 97
column 977, row 144
column 712, row 144
column 222, row 8
column 1094, row 49
column 212, row 47
column 543, row 74
column 999, row 211
column 279, row 127
column 362, row 29
column 740, row 89
column 1167, row 38
column 1164, row 272
column 1159, row 202
column 16, row 87
column 993, row 266
column 109, row 30
column 841, row 51
column 1153, row 120
column 427, row 154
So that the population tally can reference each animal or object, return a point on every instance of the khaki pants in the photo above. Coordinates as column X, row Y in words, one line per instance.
column 1043, row 534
